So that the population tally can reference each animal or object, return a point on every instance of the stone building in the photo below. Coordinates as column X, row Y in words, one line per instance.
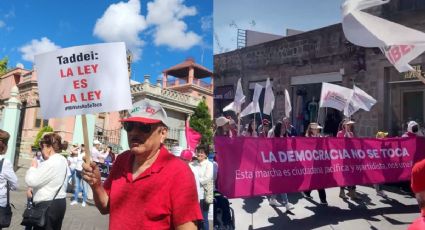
column 104, row 127
column 301, row 62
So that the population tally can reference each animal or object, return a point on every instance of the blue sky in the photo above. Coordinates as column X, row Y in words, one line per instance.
column 160, row 36
column 270, row 16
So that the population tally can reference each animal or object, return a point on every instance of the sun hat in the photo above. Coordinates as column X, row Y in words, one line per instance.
column 221, row 121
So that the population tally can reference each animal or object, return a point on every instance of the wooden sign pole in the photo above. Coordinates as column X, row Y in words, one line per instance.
column 86, row 139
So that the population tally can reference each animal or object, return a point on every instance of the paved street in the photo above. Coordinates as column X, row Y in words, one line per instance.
column 76, row 217
column 374, row 212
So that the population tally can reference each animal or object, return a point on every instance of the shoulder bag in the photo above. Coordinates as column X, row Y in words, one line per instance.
column 5, row 212
column 208, row 191
column 35, row 215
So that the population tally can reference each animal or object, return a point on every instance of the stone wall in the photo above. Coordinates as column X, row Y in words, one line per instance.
column 324, row 50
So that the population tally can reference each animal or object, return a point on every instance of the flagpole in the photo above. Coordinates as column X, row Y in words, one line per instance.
column 239, row 123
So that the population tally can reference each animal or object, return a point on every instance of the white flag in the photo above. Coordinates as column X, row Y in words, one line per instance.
column 359, row 100
column 288, row 107
column 335, row 96
column 399, row 43
column 268, row 98
column 238, row 100
column 253, row 107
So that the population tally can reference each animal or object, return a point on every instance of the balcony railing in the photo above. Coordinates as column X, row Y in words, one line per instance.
column 198, row 82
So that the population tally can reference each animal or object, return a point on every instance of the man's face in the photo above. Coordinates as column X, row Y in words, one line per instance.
column 144, row 138
column 3, row 148
column 266, row 128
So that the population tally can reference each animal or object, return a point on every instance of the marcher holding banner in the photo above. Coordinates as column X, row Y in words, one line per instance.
column 347, row 132
column 272, row 200
column 313, row 130
column 223, row 127
column 418, row 187
column 378, row 188
column 148, row 187
column 250, row 130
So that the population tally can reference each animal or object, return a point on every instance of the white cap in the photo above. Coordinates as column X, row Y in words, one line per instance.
column 96, row 142
column 221, row 121
column 410, row 126
column 147, row 112
column 315, row 126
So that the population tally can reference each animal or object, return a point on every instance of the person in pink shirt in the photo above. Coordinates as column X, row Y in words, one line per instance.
column 347, row 132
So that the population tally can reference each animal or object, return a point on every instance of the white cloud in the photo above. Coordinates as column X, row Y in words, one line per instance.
column 36, row 47
column 122, row 22
column 206, row 23
column 2, row 23
column 170, row 29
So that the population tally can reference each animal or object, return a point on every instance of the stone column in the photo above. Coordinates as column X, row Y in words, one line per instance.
column 164, row 80
column 191, row 75
column 182, row 139
column 11, row 119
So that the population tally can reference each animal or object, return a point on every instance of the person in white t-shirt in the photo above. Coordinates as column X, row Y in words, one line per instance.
column 49, row 178
column 72, row 162
column 96, row 151
column 80, row 184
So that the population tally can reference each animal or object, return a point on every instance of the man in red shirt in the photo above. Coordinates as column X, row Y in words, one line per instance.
column 148, row 188
column 418, row 187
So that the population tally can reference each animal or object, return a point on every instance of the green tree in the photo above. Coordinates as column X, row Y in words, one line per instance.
column 40, row 133
column 3, row 65
column 202, row 123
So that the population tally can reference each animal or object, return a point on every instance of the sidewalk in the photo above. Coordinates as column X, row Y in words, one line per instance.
column 372, row 213
column 76, row 217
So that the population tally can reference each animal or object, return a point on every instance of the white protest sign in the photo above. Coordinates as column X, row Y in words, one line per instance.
column 83, row 80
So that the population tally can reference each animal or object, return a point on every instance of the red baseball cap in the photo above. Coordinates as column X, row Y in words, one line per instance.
column 147, row 112
column 418, row 177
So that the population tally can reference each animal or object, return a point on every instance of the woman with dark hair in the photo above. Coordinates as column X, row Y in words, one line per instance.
column 313, row 130
column 48, row 180
column 250, row 130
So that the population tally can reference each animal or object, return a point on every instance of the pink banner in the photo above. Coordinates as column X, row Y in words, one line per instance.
column 261, row 166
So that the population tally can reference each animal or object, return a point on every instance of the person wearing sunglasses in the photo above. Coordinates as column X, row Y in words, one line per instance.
column 148, row 187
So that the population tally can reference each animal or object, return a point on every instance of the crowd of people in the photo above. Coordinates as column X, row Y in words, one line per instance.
column 226, row 126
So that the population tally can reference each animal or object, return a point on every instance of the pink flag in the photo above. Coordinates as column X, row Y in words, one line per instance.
column 192, row 137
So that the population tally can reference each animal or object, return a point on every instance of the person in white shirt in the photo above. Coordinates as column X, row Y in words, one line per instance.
column 96, row 151
column 6, row 174
column 80, row 184
column 205, row 177
column 72, row 162
column 187, row 155
column 48, row 180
